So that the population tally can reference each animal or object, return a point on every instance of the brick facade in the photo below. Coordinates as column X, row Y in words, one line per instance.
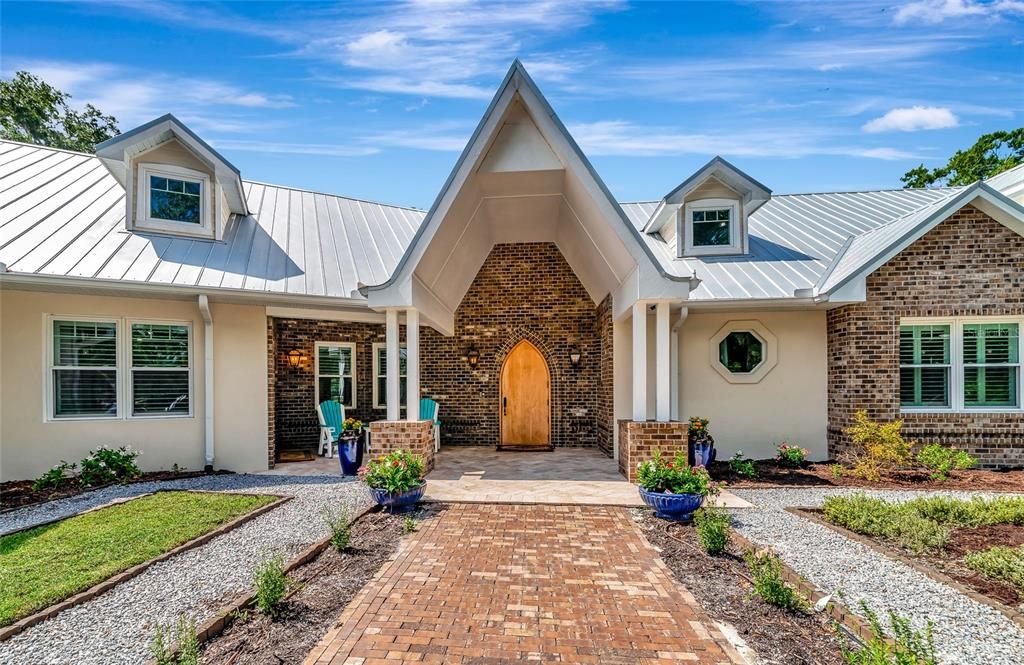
column 417, row 437
column 639, row 440
column 969, row 265
column 522, row 291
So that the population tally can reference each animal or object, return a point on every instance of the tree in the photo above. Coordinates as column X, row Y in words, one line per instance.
column 991, row 154
column 32, row 111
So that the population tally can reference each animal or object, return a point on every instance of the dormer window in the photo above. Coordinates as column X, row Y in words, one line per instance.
column 712, row 226
column 173, row 198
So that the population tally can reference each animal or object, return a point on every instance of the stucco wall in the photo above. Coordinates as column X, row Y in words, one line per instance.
column 788, row 404
column 29, row 445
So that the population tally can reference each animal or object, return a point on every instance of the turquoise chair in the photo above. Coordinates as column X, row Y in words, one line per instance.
column 429, row 411
column 331, row 416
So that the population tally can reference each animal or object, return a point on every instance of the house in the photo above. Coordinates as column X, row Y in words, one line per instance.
column 151, row 296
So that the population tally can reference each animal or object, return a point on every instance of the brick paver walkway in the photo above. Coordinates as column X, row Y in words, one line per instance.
column 508, row 583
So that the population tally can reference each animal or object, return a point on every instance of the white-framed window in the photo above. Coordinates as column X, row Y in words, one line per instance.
column 82, row 374
column 160, row 368
column 380, row 375
column 173, row 198
column 335, row 364
column 961, row 364
column 711, row 226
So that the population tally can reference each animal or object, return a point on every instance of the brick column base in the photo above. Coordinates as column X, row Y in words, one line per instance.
column 417, row 437
column 639, row 440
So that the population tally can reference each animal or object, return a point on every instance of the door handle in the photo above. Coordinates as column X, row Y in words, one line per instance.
column 504, row 406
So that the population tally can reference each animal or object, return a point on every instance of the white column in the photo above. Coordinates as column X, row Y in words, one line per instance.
column 640, row 361
column 662, row 365
column 673, row 340
column 391, row 339
column 412, row 364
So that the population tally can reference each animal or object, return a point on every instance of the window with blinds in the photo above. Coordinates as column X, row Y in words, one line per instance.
column 161, row 369
column 380, row 373
column 335, row 373
column 925, row 366
column 991, row 353
column 84, row 369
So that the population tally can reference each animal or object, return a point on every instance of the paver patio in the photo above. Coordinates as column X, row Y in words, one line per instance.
column 507, row 583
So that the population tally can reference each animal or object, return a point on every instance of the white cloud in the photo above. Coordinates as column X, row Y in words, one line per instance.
column 913, row 119
column 932, row 12
column 441, row 137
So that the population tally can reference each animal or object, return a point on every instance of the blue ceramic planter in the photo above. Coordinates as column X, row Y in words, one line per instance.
column 350, row 454
column 399, row 502
column 679, row 507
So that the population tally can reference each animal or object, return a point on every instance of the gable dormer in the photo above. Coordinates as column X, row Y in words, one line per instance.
column 706, row 215
column 174, row 182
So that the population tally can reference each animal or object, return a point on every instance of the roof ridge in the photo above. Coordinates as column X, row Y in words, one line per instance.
column 849, row 191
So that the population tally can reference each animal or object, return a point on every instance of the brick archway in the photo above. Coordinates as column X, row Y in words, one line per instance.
column 512, row 340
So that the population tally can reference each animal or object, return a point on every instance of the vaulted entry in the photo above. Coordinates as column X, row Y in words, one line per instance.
column 525, row 399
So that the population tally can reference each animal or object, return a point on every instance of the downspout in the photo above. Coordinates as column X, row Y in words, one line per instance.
column 204, row 309
column 674, row 356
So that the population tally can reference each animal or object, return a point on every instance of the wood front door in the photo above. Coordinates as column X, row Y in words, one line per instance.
column 525, row 398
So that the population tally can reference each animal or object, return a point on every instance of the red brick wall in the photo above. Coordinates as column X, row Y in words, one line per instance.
column 970, row 265
column 416, row 437
column 639, row 440
column 605, row 407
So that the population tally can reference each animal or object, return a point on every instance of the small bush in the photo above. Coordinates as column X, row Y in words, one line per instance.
column 877, row 446
column 876, row 517
column 673, row 477
column 55, row 478
column 941, row 460
column 108, row 465
column 271, row 586
column 766, row 569
column 743, row 467
column 341, row 530
column 399, row 471
column 409, row 524
column 712, row 529
column 184, row 634
column 791, row 457
column 1000, row 563
column 837, row 470
column 910, row 647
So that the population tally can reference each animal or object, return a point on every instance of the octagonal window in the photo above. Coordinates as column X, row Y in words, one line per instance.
column 741, row 352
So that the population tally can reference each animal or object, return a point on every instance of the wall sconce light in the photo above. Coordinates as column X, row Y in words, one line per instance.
column 472, row 356
column 295, row 357
column 574, row 357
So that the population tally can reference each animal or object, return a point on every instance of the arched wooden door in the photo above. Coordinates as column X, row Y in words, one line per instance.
column 525, row 398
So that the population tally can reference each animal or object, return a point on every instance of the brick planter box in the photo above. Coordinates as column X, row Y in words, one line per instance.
column 417, row 436
column 639, row 440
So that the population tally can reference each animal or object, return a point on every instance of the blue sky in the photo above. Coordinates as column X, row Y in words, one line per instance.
column 376, row 100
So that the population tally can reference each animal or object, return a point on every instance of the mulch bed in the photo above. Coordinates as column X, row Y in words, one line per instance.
column 325, row 586
column 771, row 474
column 19, row 493
column 723, row 587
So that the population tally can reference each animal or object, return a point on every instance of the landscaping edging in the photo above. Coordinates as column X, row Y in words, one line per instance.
column 938, row 576
column 21, row 625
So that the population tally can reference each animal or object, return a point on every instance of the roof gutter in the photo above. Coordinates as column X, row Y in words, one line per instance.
column 208, row 447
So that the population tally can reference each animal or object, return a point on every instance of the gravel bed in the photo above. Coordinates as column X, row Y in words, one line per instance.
column 116, row 628
column 966, row 632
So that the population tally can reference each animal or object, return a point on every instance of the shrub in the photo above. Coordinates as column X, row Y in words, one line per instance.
column 766, row 570
column 341, row 530
column 55, row 478
column 396, row 472
column 877, row 446
column 876, row 517
column 107, row 465
column 837, row 470
column 1000, row 563
column 184, row 634
column 409, row 524
column 271, row 586
column 791, row 457
column 940, row 460
column 675, row 477
column 909, row 647
column 712, row 529
column 743, row 467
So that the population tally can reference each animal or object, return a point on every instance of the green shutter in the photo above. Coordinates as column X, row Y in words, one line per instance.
column 991, row 364
column 924, row 366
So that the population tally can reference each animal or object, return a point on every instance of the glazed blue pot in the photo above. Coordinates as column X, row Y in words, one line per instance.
column 703, row 454
column 399, row 502
column 350, row 454
column 679, row 507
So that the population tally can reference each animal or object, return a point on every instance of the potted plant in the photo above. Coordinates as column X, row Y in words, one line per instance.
column 701, row 449
column 396, row 480
column 674, row 489
column 350, row 446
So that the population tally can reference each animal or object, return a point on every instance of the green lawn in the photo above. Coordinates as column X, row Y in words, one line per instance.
column 47, row 564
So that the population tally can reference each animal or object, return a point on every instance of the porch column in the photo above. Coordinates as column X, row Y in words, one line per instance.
column 412, row 364
column 662, row 365
column 393, row 360
column 640, row 361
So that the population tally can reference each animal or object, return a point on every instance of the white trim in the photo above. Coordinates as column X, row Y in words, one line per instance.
column 377, row 375
column 48, row 367
column 769, row 357
column 130, row 370
column 736, row 241
column 351, row 346
column 956, row 389
column 143, row 220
